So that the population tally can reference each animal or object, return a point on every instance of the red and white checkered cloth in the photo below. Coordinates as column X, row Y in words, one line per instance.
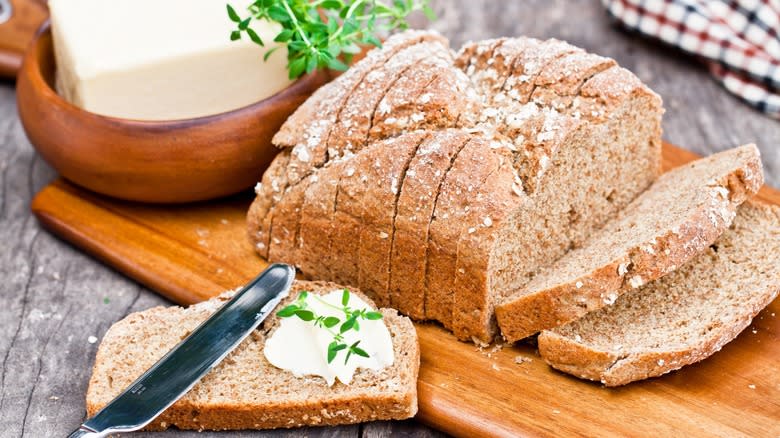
column 737, row 39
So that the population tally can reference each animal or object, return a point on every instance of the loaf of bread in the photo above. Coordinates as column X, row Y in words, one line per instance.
column 245, row 391
column 683, row 317
column 679, row 216
column 438, row 183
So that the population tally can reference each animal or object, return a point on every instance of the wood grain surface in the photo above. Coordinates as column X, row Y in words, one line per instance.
column 190, row 253
column 53, row 296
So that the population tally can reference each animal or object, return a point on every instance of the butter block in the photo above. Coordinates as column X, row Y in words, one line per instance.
column 161, row 60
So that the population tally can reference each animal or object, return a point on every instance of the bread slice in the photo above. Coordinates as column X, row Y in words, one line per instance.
column 285, row 223
column 348, row 215
column 268, row 192
column 416, row 203
column 472, row 300
column 385, row 179
column 472, row 166
column 675, row 219
column 314, row 255
column 245, row 391
column 683, row 317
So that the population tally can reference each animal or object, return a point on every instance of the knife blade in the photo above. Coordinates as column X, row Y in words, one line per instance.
column 178, row 371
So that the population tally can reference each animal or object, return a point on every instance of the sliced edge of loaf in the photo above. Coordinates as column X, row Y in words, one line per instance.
column 647, row 332
column 568, row 289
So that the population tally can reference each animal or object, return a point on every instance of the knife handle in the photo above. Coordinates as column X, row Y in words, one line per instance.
column 84, row 432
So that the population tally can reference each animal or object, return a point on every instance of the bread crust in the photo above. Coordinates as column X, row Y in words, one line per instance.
column 416, row 204
column 472, row 166
column 385, row 179
column 356, row 119
column 472, row 308
column 348, row 213
column 285, row 224
column 260, row 214
column 314, row 255
column 530, row 63
column 563, row 78
column 431, row 95
column 310, row 137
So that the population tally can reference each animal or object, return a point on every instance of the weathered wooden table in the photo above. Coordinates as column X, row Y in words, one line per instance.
column 54, row 299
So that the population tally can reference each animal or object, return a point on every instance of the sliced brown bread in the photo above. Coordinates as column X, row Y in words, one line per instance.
column 317, row 223
column 308, row 133
column 269, row 192
column 674, row 220
column 285, row 223
column 305, row 137
column 419, row 193
column 347, row 135
column 385, row 178
column 547, row 147
column 430, row 95
column 681, row 318
column 351, row 131
column 353, row 195
column 472, row 166
column 245, row 391
column 571, row 158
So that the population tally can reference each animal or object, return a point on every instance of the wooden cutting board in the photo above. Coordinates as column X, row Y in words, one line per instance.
column 190, row 253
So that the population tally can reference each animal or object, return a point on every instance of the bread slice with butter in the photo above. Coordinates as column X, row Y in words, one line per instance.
column 245, row 391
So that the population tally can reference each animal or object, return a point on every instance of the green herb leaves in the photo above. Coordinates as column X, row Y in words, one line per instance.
column 320, row 32
column 333, row 349
column 351, row 321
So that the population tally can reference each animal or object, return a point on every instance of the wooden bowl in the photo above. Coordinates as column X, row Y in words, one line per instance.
column 160, row 161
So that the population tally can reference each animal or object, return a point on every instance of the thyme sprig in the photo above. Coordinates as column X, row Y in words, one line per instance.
column 319, row 32
column 300, row 308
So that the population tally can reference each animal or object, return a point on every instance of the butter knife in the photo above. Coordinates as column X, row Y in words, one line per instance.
column 178, row 371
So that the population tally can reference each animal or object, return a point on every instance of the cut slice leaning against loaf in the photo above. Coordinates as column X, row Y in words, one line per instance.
column 682, row 318
column 670, row 223
column 245, row 391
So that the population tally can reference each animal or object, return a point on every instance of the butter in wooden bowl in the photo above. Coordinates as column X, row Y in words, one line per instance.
column 161, row 60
